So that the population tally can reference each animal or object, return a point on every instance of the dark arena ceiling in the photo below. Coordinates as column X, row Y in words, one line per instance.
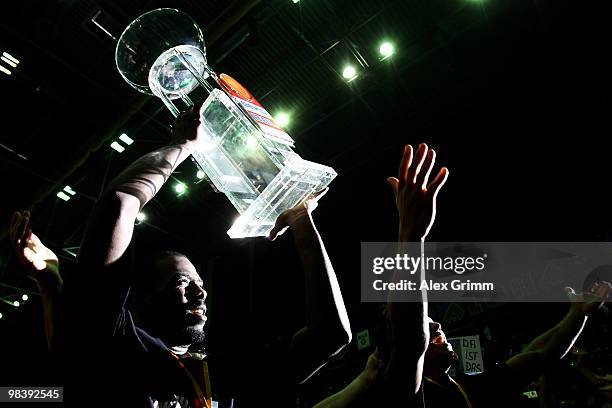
column 514, row 95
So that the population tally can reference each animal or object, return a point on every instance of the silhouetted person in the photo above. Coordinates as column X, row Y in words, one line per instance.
column 414, row 370
column 126, row 330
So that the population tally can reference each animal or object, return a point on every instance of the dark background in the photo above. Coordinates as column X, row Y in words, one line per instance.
column 514, row 97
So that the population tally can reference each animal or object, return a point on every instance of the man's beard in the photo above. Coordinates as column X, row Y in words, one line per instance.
column 185, row 336
column 181, row 331
column 177, row 327
column 434, row 362
column 453, row 360
column 194, row 335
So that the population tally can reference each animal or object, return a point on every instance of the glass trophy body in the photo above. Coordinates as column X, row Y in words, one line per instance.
column 242, row 151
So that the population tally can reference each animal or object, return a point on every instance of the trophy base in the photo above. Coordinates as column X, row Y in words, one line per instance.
column 295, row 182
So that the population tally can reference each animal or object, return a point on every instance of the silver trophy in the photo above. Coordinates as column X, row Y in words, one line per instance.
column 244, row 153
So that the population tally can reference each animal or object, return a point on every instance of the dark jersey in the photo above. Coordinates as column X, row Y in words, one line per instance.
column 107, row 359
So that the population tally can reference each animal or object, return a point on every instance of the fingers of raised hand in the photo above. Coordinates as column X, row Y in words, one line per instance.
column 374, row 362
column 600, row 290
column 35, row 241
column 319, row 194
column 25, row 240
column 402, row 173
column 29, row 254
column 22, row 230
column 19, row 225
column 34, row 259
column 421, row 179
column 313, row 201
column 604, row 290
column 417, row 164
column 437, row 183
column 394, row 183
column 190, row 113
column 185, row 124
column 416, row 171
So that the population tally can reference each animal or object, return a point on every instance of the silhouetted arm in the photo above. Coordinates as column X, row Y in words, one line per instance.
column 553, row 345
column 42, row 265
column 111, row 224
column 415, row 198
column 327, row 329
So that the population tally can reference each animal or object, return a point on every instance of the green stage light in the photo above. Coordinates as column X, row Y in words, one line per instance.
column 117, row 147
column 282, row 119
column 349, row 73
column 180, row 188
column 63, row 196
column 386, row 50
column 126, row 139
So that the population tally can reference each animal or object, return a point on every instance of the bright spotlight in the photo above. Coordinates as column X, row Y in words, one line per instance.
column 117, row 147
column 126, row 139
column 180, row 188
column 10, row 57
column 8, row 61
column 69, row 190
column 386, row 49
column 200, row 175
column 24, row 297
column 282, row 119
column 349, row 73
column 141, row 216
column 16, row 303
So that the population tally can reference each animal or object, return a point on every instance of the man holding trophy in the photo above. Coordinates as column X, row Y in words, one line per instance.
column 136, row 346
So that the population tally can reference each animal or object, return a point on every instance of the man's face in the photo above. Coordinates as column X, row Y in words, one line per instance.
column 439, row 355
column 175, row 309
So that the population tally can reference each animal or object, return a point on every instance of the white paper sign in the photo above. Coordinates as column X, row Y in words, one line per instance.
column 469, row 352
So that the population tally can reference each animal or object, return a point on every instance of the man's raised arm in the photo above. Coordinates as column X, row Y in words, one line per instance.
column 327, row 329
column 554, row 344
column 415, row 198
column 407, row 322
column 41, row 264
column 111, row 224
